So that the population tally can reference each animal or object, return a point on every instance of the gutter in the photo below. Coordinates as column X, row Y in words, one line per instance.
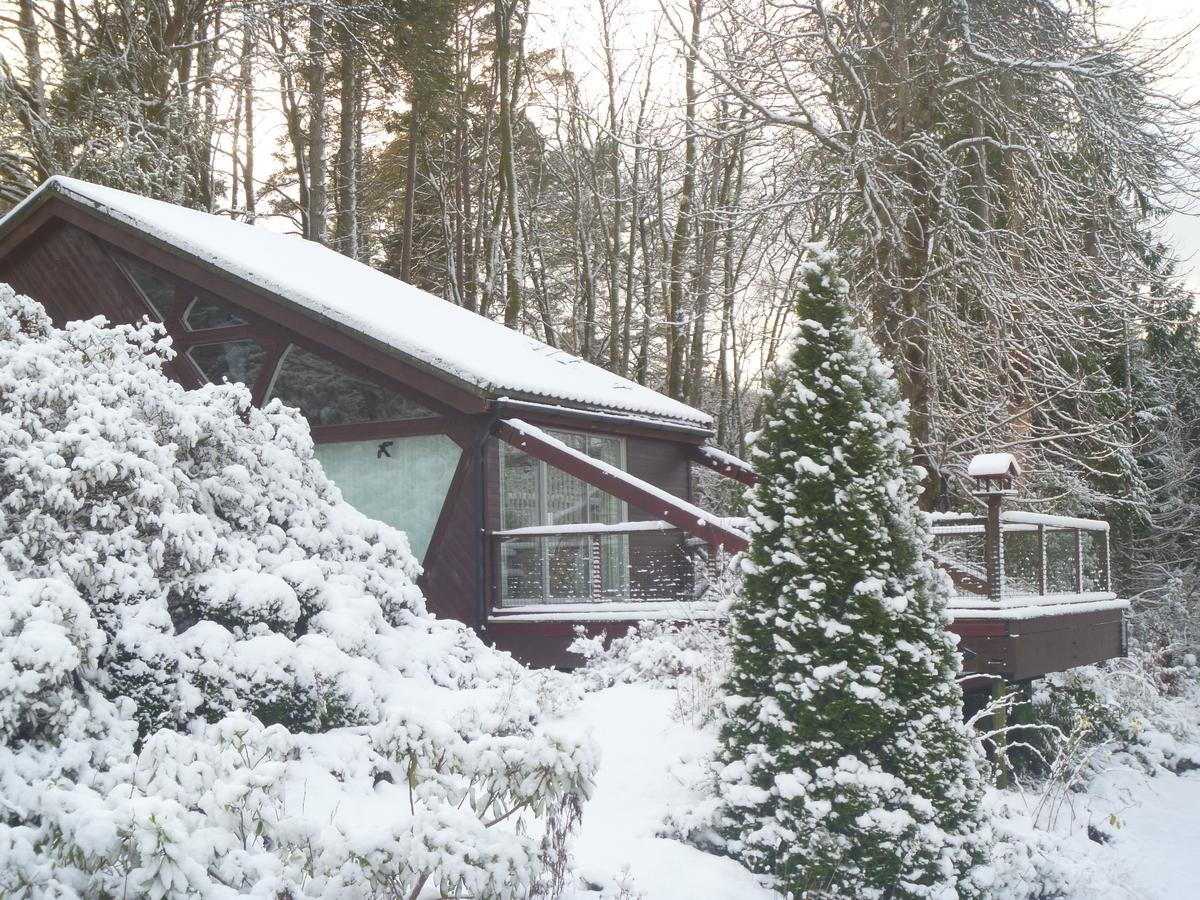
column 481, row 592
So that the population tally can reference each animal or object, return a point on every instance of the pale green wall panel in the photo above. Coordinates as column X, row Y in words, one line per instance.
column 403, row 483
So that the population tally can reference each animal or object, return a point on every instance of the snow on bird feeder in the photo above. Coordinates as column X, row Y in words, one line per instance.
column 995, row 477
column 995, row 474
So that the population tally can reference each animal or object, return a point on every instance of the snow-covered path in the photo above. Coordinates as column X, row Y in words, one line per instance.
column 641, row 780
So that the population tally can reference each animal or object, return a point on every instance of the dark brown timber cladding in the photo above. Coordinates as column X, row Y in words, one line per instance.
column 450, row 581
column 70, row 273
column 544, row 644
column 658, row 568
column 1030, row 648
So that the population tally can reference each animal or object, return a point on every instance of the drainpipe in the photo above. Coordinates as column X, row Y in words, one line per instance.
column 481, row 592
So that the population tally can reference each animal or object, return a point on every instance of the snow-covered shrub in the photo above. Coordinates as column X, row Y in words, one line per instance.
column 689, row 657
column 845, row 766
column 47, row 636
column 1140, row 708
column 219, row 679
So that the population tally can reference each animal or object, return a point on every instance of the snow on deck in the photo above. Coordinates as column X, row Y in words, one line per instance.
column 419, row 325
column 1032, row 606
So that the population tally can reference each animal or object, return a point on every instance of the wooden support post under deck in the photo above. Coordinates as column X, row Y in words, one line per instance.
column 1105, row 564
column 999, row 726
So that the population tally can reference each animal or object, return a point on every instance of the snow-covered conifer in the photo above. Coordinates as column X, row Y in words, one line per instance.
column 846, row 768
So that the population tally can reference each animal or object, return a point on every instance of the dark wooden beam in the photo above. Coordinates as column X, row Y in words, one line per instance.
column 741, row 471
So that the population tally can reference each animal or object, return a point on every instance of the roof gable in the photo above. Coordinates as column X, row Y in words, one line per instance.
column 441, row 337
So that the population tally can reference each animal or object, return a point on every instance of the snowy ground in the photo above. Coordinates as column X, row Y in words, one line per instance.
column 650, row 765
column 1158, row 844
column 647, row 763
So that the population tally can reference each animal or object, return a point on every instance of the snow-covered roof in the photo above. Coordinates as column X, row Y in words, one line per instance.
column 428, row 330
column 993, row 465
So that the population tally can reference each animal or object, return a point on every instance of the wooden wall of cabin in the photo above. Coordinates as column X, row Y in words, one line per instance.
column 659, row 567
column 72, row 274
column 450, row 580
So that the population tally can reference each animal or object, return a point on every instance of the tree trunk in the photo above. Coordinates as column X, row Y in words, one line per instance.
column 317, row 202
column 347, row 164
column 676, row 327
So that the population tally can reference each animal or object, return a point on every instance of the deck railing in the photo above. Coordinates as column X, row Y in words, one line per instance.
column 1027, row 555
column 590, row 563
column 1027, row 558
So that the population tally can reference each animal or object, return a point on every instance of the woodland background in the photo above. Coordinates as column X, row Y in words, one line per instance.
column 993, row 174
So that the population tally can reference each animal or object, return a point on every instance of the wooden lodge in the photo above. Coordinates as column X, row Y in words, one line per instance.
column 539, row 492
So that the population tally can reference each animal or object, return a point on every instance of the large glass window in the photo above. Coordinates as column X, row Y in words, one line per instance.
column 328, row 394
column 549, row 568
column 400, row 481
column 155, row 289
column 233, row 360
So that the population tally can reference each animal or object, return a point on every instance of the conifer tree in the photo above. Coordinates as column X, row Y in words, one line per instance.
column 846, row 767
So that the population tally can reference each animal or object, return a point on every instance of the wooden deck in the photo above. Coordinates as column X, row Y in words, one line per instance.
column 1053, row 610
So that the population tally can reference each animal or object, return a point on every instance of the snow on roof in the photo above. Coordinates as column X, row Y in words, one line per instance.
column 992, row 465
column 425, row 328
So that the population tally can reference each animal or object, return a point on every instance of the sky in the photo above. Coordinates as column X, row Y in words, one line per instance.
column 1168, row 20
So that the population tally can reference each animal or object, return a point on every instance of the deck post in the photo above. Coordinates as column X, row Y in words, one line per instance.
column 993, row 547
column 597, row 567
column 1079, row 560
column 1105, row 564
column 1041, row 532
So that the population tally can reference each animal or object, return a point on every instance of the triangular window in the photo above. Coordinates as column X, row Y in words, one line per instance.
column 329, row 394
column 157, row 291
column 204, row 313
column 233, row 360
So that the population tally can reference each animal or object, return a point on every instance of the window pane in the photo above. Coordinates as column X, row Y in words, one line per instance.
column 233, row 360
column 605, row 449
column 614, row 566
column 521, row 572
column 518, row 488
column 327, row 394
column 204, row 313
column 400, row 481
column 570, row 564
column 566, row 498
column 154, row 289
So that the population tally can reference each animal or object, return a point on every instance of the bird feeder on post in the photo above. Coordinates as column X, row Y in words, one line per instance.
column 995, row 476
